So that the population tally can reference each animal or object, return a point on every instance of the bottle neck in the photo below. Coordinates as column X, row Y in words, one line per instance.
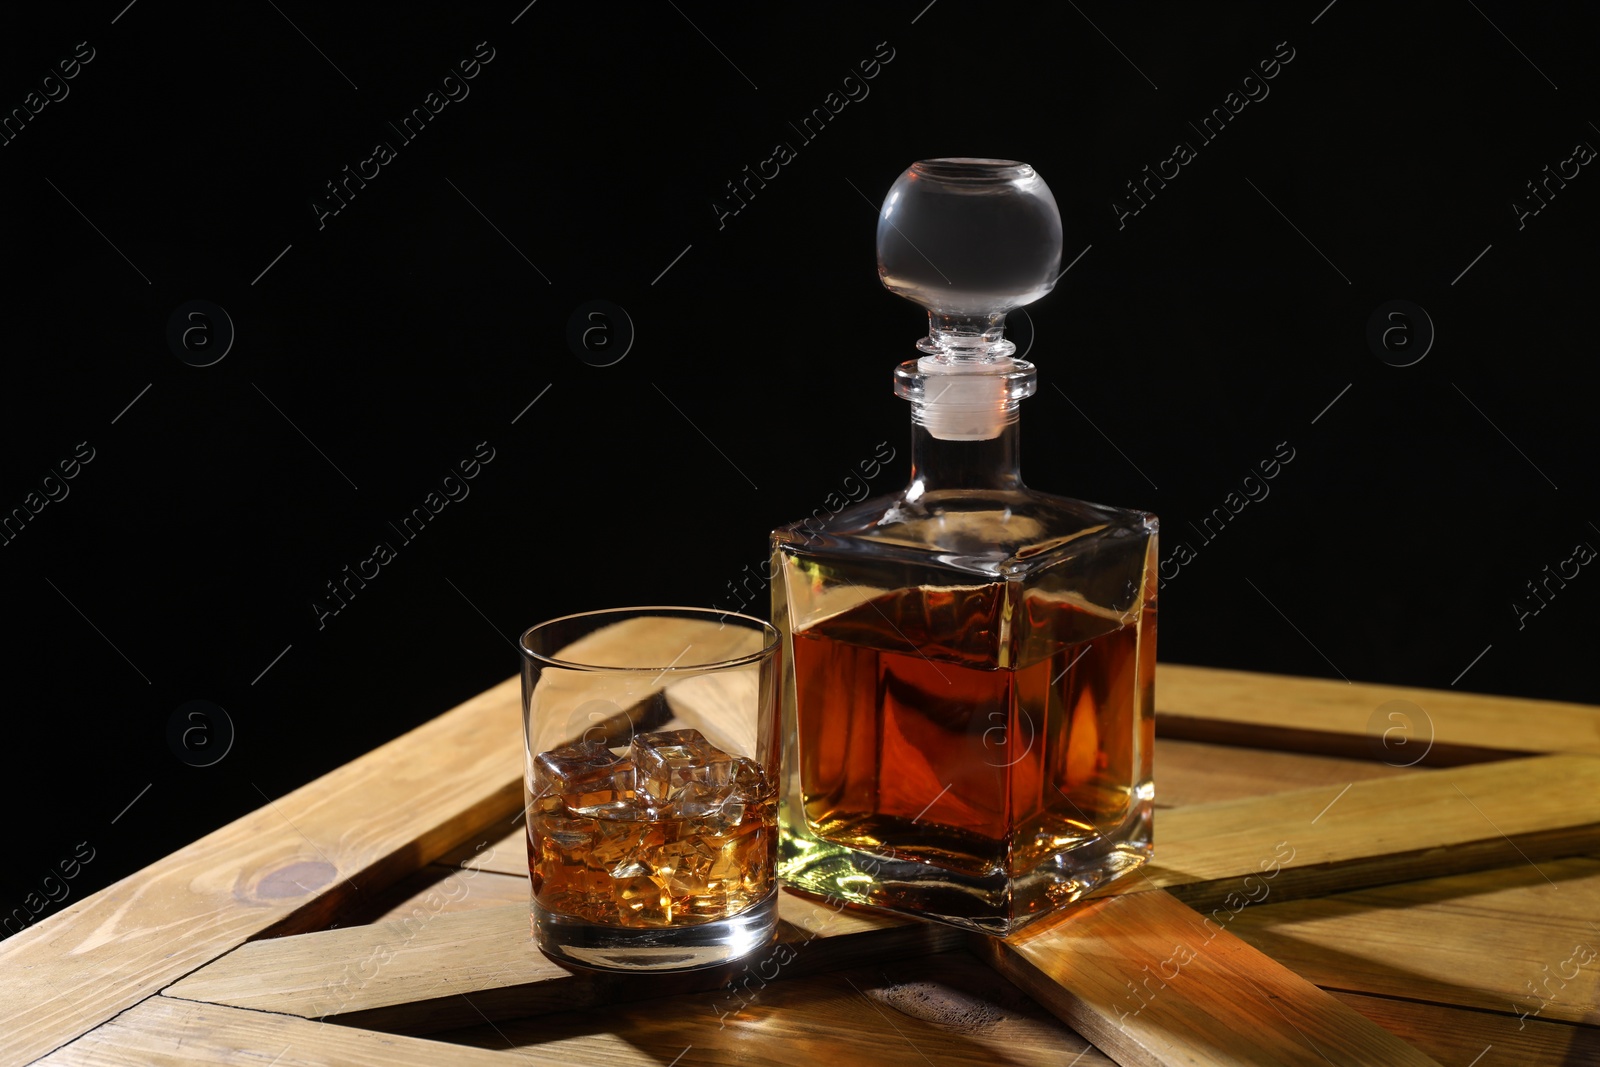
column 964, row 422
column 942, row 464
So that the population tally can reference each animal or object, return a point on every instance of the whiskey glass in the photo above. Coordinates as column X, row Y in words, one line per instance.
column 651, row 753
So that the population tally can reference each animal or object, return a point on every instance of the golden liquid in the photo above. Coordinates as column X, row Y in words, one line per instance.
column 914, row 741
column 646, row 872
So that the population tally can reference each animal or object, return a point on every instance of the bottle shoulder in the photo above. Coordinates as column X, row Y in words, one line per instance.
column 994, row 532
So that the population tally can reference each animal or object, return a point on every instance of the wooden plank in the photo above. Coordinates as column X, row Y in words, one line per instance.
column 503, row 853
column 1152, row 983
column 1522, row 941
column 436, row 888
column 162, row 1032
column 288, row 866
column 1193, row 772
column 947, row 1009
column 407, row 976
column 1418, row 825
column 353, row 972
column 386, row 814
column 1339, row 718
column 1456, row 1035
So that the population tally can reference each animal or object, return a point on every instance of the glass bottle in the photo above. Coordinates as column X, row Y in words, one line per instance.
column 970, row 663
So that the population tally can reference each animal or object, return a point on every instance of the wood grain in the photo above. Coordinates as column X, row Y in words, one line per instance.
column 1153, row 984
column 161, row 1032
column 1193, row 772
column 408, row 976
column 947, row 1009
column 1476, row 940
column 1422, row 938
column 290, row 865
column 437, row 888
column 1418, row 825
column 1338, row 718
column 1459, row 1036
column 499, row 849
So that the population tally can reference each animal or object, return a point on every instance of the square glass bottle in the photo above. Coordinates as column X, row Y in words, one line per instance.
column 969, row 697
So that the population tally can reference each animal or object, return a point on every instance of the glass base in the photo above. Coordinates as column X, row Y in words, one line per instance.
column 673, row 948
column 994, row 905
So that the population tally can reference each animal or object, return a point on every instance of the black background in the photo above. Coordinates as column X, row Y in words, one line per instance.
column 376, row 350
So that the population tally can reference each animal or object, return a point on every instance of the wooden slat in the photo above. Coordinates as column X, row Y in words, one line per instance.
column 456, row 781
column 1418, row 825
column 407, row 976
column 1336, row 718
column 1474, row 940
column 1193, row 772
column 353, row 973
column 507, row 854
column 1152, row 984
column 436, row 889
column 947, row 1009
column 175, row 1033
column 1459, row 1036
column 287, row 866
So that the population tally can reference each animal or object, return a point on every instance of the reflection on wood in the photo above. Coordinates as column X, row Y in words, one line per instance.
column 1151, row 982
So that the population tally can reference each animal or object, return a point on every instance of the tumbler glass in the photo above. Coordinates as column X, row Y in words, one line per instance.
column 651, row 747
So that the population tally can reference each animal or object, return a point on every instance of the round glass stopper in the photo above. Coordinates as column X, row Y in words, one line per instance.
column 969, row 239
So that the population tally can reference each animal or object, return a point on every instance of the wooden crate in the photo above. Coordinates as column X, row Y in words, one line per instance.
column 1310, row 904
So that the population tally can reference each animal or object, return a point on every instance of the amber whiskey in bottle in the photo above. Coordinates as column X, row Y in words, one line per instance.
column 969, row 701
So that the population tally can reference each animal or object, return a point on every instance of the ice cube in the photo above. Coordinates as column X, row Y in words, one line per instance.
column 565, row 833
column 643, row 903
column 732, row 810
column 687, row 882
column 621, row 833
column 584, row 774
column 668, row 761
column 695, row 800
column 630, row 808
column 575, row 760
column 709, row 809
column 749, row 779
